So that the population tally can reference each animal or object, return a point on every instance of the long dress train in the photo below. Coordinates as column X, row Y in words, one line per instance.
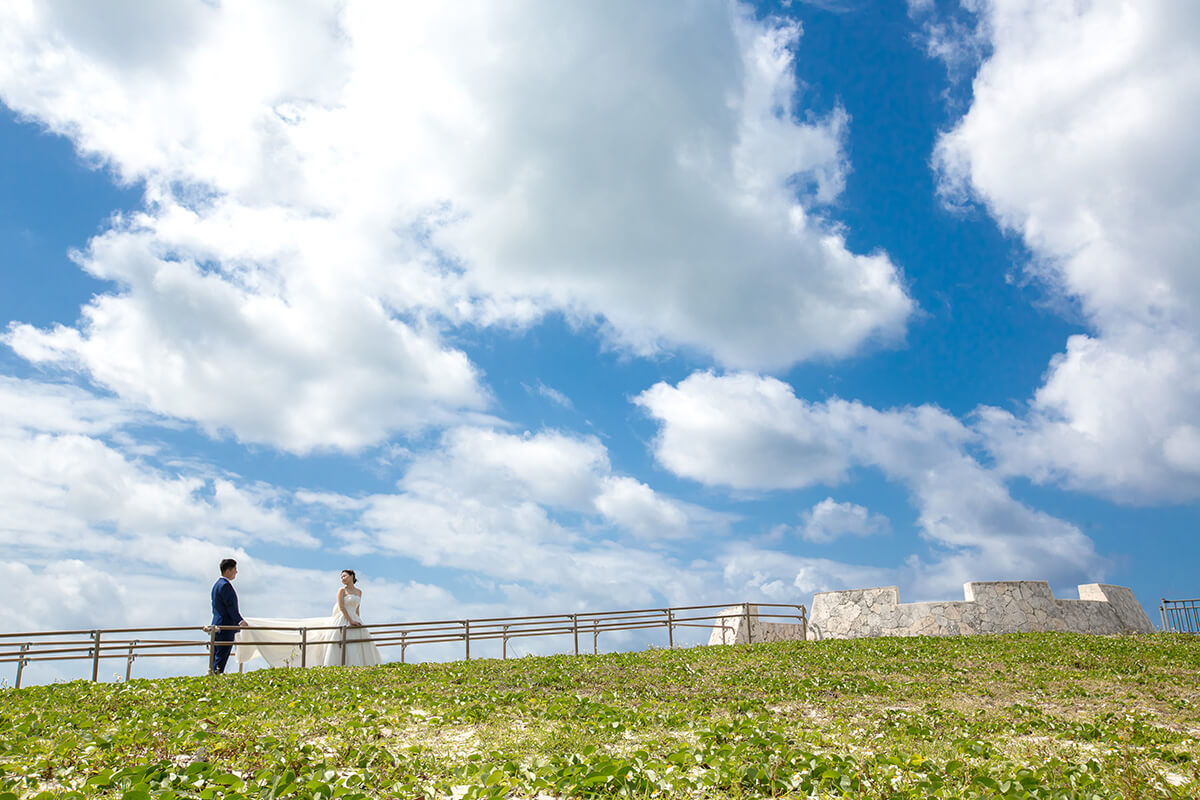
column 281, row 648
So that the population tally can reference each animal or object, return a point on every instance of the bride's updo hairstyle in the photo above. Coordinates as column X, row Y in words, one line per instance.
column 350, row 572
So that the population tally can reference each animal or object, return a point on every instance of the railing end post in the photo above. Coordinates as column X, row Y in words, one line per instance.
column 212, row 649
column 21, row 664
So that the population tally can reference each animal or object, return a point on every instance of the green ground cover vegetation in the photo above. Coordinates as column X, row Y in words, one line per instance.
column 1018, row 716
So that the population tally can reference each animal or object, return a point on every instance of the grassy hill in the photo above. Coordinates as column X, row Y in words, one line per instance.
column 1029, row 715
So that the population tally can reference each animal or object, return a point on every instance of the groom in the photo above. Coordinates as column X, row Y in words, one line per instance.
column 225, row 612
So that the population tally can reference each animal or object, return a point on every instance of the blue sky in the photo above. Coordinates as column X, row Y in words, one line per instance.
column 581, row 307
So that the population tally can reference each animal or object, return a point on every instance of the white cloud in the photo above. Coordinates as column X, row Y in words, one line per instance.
column 518, row 542
column 549, row 468
column 59, row 408
column 721, row 430
column 829, row 520
column 550, row 393
column 73, row 493
column 541, row 511
column 304, row 368
column 522, row 477
column 784, row 578
column 329, row 185
column 745, row 432
column 1117, row 416
column 636, row 507
column 1080, row 139
column 957, row 38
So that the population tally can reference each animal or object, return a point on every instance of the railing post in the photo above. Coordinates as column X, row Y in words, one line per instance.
column 212, row 648
column 303, row 648
column 345, row 628
column 1162, row 613
column 403, row 644
column 575, row 631
column 746, row 612
column 467, row 636
column 670, row 629
column 504, row 643
column 21, row 664
column 95, row 656
column 595, row 637
column 129, row 662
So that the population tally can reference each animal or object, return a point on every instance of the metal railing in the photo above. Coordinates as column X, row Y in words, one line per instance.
column 130, row 644
column 1180, row 616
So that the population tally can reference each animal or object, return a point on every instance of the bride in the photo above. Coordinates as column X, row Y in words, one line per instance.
column 322, row 646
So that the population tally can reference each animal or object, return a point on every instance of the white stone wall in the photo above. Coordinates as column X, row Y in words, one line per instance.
column 990, row 607
column 730, row 627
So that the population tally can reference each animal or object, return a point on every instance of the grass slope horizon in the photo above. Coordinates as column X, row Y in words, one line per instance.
column 1018, row 715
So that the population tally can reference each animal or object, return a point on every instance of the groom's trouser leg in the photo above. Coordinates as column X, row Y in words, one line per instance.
column 221, row 653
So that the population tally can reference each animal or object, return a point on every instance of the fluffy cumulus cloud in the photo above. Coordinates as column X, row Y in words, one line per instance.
column 1079, row 139
column 829, row 520
column 776, row 440
column 755, row 571
column 301, row 364
column 75, row 491
column 542, row 510
column 330, row 185
column 976, row 528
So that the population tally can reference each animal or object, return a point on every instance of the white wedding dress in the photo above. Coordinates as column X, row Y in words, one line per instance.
column 322, row 648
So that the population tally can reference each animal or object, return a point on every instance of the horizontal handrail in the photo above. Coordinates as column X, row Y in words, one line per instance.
column 100, row 644
column 102, row 630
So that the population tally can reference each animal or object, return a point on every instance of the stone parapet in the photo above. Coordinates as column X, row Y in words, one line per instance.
column 990, row 607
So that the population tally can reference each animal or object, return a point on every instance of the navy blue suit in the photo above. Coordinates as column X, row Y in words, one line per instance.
column 225, row 612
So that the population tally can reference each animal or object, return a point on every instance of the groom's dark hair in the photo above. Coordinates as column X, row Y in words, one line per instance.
column 227, row 564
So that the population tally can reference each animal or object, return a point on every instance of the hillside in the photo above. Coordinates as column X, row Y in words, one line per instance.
column 1030, row 715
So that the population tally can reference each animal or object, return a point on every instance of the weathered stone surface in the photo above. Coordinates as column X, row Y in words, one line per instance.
column 990, row 607
column 730, row 627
